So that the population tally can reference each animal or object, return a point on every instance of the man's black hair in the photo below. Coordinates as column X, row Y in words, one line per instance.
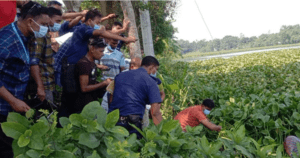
column 150, row 60
column 54, row 3
column 53, row 11
column 117, row 23
column 92, row 14
column 97, row 42
column 208, row 103
column 32, row 9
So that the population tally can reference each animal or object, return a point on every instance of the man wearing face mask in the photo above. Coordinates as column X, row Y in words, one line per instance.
column 195, row 115
column 132, row 91
column 15, row 64
column 113, row 59
column 42, row 60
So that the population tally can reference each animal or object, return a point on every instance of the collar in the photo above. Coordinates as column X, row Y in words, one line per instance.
column 25, row 39
column 143, row 69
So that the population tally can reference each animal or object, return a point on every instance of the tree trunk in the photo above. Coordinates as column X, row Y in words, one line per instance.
column 146, row 32
column 73, row 4
column 103, row 10
column 134, row 48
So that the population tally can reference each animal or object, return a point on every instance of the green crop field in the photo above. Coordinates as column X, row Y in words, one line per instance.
column 257, row 99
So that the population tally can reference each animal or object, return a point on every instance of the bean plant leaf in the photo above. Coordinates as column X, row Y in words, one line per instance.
column 76, row 119
column 243, row 151
column 112, row 119
column 64, row 121
column 13, row 129
column 91, row 110
column 94, row 155
column 120, row 130
column 169, row 126
column 89, row 140
column 24, row 139
column 18, row 118
column 33, row 153
column 61, row 154
column 36, row 142
column 30, row 113
column 39, row 129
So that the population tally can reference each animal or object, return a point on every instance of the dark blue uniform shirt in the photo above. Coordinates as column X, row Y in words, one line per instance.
column 133, row 90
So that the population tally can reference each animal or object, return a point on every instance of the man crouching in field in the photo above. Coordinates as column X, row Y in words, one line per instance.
column 195, row 115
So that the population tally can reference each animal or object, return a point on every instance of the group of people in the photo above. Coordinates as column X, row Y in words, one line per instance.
column 34, row 60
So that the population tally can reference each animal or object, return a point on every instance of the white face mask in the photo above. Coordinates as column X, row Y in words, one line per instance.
column 42, row 32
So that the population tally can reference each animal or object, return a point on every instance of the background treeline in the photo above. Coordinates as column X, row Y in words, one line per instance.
column 287, row 35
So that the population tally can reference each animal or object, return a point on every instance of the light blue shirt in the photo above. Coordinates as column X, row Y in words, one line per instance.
column 114, row 60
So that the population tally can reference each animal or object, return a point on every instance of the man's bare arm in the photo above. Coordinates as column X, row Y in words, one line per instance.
column 36, row 75
column 210, row 125
column 84, row 80
column 74, row 22
column 16, row 104
column 109, row 35
column 73, row 15
column 156, row 114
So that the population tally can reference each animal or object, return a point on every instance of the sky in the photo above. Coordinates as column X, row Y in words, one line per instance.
column 233, row 17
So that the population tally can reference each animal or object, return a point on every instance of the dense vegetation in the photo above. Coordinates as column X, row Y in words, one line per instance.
column 287, row 35
column 257, row 98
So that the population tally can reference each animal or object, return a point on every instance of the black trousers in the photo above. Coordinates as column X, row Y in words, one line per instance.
column 5, row 142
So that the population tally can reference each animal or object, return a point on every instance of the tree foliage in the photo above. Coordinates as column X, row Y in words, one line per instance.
column 287, row 35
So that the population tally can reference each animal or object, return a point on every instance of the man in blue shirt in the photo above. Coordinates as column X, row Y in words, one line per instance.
column 15, row 63
column 133, row 90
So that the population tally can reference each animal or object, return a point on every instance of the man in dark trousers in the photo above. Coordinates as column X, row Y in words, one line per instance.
column 133, row 90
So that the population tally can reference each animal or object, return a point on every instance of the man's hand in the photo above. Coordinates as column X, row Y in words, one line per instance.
column 19, row 106
column 130, row 39
column 108, row 81
column 41, row 93
column 83, row 13
column 111, row 15
column 218, row 128
column 126, row 23
column 102, row 67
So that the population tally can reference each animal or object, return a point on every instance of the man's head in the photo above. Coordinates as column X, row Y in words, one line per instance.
column 93, row 18
column 151, row 64
column 55, row 4
column 117, row 26
column 55, row 19
column 113, row 43
column 34, row 19
column 135, row 63
column 96, row 48
column 208, row 105
column 21, row 3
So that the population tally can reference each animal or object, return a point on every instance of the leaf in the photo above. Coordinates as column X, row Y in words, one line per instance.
column 18, row 150
column 89, row 140
column 241, row 132
column 296, row 116
column 204, row 144
column 94, row 155
column 64, row 121
column 18, row 118
column 101, row 117
column 120, row 130
column 173, row 87
column 243, row 150
column 150, row 135
column 76, row 119
column 13, row 129
column 24, row 139
column 279, row 151
column 138, row 129
column 112, row 119
column 36, row 142
column 61, row 154
column 175, row 143
column 91, row 126
column 33, row 153
column 39, row 129
column 169, row 126
column 30, row 113
column 91, row 110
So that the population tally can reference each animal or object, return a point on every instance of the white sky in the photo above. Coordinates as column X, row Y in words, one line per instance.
column 232, row 17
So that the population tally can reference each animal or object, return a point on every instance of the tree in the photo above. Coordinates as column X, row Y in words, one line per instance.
column 135, row 49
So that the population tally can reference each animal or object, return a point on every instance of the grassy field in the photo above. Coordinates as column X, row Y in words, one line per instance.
column 257, row 97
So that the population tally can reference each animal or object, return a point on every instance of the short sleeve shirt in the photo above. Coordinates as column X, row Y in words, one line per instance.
column 114, row 60
column 65, row 28
column 191, row 116
column 79, row 43
column 133, row 90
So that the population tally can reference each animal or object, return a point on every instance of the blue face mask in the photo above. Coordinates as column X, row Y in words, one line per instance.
column 110, row 48
column 206, row 112
column 96, row 27
column 153, row 75
column 55, row 27
column 41, row 33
